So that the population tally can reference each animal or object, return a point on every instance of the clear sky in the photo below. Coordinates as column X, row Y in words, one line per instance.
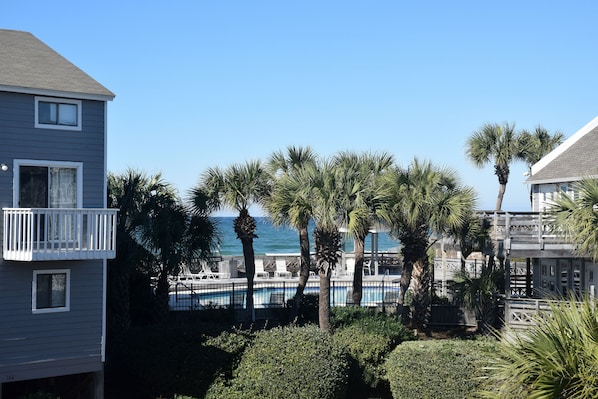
column 211, row 83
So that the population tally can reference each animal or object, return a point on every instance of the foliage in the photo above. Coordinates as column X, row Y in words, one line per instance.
column 557, row 357
column 437, row 368
column 159, row 361
column 369, row 337
column 502, row 145
column 425, row 202
column 578, row 219
column 482, row 294
column 288, row 203
column 239, row 187
column 274, row 366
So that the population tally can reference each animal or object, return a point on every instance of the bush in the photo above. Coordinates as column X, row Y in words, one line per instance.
column 163, row 360
column 555, row 358
column 369, row 337
column 438, row 369
column 302, row 361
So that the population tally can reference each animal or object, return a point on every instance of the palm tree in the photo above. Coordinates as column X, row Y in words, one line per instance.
column 156, row 233
column 289, row 205
column 481, row 294
column 324, row 195
column 499, row 144
column 424, row 203
column 175, row 235
column 577, row 217
column 127, row 192
column 240, row 186
column 533, row 146
column 360, row 175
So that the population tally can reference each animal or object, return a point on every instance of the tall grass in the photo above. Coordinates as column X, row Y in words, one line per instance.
column 556, row 358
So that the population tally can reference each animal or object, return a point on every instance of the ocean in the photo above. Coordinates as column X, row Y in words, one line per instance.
column 273, row 239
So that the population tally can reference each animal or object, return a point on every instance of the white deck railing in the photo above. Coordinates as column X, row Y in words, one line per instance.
column 522, row 313
column 34, row 234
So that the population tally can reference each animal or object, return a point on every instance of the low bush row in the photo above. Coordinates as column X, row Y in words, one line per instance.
column 365, row 352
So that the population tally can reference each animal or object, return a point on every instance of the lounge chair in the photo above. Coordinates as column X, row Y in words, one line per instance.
column 276, row 300
column 259, row 269
column 281, row 269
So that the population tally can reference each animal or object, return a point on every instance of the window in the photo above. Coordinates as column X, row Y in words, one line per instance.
column 57, row 113
column 48, row 184
column 51, row 291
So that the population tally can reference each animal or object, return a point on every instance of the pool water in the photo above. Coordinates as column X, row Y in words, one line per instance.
column 276, row 296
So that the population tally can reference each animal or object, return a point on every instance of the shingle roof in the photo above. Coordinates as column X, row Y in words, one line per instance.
column 29, row 65
column 573, row 160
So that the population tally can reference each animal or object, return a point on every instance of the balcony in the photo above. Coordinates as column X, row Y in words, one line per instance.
column 44, row 234
column 527, row 234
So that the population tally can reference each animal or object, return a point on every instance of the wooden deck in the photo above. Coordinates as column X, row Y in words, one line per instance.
column 527, row 235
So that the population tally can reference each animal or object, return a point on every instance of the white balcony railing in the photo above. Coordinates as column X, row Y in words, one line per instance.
column 36, row 234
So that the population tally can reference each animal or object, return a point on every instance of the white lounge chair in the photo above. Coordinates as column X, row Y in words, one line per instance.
column 281, row 269
column 259, row 269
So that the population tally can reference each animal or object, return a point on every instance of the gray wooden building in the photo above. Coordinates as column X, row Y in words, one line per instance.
column 55, row 230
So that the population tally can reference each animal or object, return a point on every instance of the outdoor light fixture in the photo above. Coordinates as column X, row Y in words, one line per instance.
column 4, row 167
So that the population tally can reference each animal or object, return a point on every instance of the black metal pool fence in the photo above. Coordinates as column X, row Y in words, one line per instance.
column 186, row 296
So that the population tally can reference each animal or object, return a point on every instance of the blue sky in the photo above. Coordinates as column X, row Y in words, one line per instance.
column 201, row 84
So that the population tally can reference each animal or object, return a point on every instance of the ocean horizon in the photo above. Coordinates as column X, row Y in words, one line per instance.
column 274, row 239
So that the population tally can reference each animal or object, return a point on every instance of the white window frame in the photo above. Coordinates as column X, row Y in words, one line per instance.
column 57, row 100
column 17, row 163
column 67, row 302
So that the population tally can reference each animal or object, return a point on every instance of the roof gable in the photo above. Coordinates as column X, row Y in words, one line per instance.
column 30, row 66
column 573, row 160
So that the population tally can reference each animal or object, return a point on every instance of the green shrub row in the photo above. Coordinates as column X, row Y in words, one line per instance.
column 438, row 368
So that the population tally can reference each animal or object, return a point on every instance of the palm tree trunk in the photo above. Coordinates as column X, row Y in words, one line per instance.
column 421, row 294
column 324, row 297
column 501, row 193
column 405, row 280
column 162, row 296
column 249, row 257
column 303, row 270
column 358, row 274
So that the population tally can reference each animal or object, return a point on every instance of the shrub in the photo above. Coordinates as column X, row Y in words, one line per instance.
column 369, row 337
column 555, row 358
column 163, row 360
column 303, row 361
column 437, row 369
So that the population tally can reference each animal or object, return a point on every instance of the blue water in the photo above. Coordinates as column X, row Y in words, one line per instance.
column 272, row 239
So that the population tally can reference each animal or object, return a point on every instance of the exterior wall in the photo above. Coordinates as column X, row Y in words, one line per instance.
column 543, row 195
column 564, row 277
column 51, row 344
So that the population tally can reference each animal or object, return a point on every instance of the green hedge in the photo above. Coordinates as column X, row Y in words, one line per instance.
column 161, row 361
column 369, row 338
column 300, row 361
column 438, row 369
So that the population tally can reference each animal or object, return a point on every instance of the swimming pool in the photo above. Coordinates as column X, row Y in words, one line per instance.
column 276, row 295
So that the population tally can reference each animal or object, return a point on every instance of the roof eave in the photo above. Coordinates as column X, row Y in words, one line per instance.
column 559, row 180
column 58, row 93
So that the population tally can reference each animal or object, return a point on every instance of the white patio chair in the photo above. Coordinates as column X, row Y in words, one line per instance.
column 259, row 269
column 281, row 269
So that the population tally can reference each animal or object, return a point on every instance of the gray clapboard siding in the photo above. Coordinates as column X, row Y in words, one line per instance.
column 49, row 344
